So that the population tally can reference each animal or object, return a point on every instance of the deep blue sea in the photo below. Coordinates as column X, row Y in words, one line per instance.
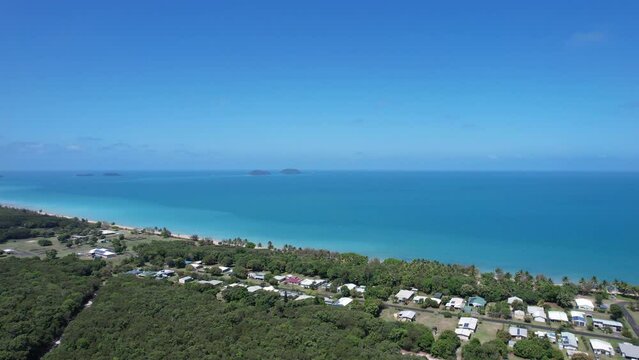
column 574, row 224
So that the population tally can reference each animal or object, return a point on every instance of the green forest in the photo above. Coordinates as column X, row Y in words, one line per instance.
column 37, row 300
column 18, row 224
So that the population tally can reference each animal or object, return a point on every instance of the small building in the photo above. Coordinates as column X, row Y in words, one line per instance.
column 225, row 269
column 557, row 316
column 578, row 318
column 419, row 299
column 600, row 347
column 257, row 275
column 406, row 315
column 584, row 304
column 404, row 295
column 610, row 324
column 185, row 279
column 309, row 283
column 518, row 333
column 254, row 288
column 102, row 253
column 196, row 266
column 512, row 299
column 279, row 278
column 293, row 280
column 537, row 313
column 304, row 297
column 547, row 334
column 519, row 315
column 455, row 303
column 463, row 334
column 477, row 301
column 360, row 289
column 349, row 286
column 345, row 301
column 569, row 341
column 108, row 232
column 166, row 272
column 629, row 351
column 467, row 323
column 210, row 282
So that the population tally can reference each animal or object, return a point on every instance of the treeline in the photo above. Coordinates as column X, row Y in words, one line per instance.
column 18, row 224
column 383, row 278
column 134, row 318
column 37, row 300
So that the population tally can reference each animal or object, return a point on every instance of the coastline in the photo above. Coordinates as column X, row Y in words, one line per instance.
column 216, row 241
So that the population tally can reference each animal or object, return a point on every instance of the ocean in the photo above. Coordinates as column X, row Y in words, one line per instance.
column 553, row 223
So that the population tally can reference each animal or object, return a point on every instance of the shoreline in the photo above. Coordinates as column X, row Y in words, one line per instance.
column 557, row 279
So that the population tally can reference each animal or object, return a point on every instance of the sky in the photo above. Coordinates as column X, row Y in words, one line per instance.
column 388, row 85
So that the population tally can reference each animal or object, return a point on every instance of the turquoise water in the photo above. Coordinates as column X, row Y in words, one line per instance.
column 575, row 224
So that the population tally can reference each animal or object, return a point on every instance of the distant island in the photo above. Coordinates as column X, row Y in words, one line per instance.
column 111, row 174
column 84, row 174
column 259, row 173
column 290, row 171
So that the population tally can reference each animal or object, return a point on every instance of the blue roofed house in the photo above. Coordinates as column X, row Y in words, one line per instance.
column 477, row 301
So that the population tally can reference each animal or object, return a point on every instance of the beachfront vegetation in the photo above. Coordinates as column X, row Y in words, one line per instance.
column 37, row 300
column 17, row 224
column 135, row 318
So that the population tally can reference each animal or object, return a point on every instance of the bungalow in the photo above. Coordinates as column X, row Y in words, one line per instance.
column 519, row 315
column 600, row 347
column 257, row 275
column 547, row 334
column 578, row 318
column 568, row 341
column 629, row 351
column 304, row 297
column 610, row 324
column 279, row 278
column 195, row 266
column 78, row 237
column 477, row 301
column 108, row 232
column 537, row 313
column 345, row 301
column 360, row 289
column 185, row 279
column 419, row 299
column 293, row 280
column 467, row 323
column 270, row 288
column 210, row 282
column 101, row 253
column 308, row 283
column 518, row 333
column 584, row 304
column 406, row 315
column 225, row 269
column 512, row 299
column 349, row 286
column 463, row 334
column 166, row 272
column 557, row 316
column 404, row 295
column 455, row 303
column 254, row 288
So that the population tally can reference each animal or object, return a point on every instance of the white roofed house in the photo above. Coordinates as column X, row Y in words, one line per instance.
column 517, row 333
column 455, row 303
column 419, row 299
column 185, row 279
column 406, row 315
column 404, row 295
column 557, row 316
column 584, row 304
column 569, row 341
column 610, row 324
column 600, row 347
column 519, row 315
column 466, row 327
column 253, row 289
column 304, row 297
column 578, row 318
column 345, row 301
column 102, row 253
column 225, row 269
column 349, row 286
column 257, row 275
column 537, row 313
column 629, row 351
column 512, row 299
column 279, row 277
column 309, row 283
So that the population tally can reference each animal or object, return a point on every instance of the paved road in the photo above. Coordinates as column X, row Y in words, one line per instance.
column 510, row 322
column 631, row 321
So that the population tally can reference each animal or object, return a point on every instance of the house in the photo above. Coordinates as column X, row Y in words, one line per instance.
column 210, row 282
column 293, row 280
column 629, row 351
column 600, row 347
column 304, row 297
column 78, row 237
column 419, row 299
column 547, row 334
column 578, row 318
column 610, row 324
column 519, row 315
column 404, row 295
column 257, row 275
column 512, row 299
column 345, row 301
column 185, row 279
column 537, row 313
column 438, row 295
column 360, row 289
column 518, row 333
column 225, row 269
column 254, row 288
column 101, row 253
column 569, row 341
column 166, row 272
column 196, row 266
column 349, row 286
column 584, row 304
column 463, row 334
column 406, row 315
column 455, row 303
column 108, row 232
column 557, row 316
column 279, row 278
column 308, row 283
column 467, row 323
column 477, row 301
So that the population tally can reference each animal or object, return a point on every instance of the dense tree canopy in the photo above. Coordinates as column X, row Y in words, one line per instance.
column 37, row 300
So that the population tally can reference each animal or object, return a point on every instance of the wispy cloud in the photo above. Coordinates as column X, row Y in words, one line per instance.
column 587, row 38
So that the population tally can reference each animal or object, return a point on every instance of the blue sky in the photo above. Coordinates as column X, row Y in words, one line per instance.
column 491, row 85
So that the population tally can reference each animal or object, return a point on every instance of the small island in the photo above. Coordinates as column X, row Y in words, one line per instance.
column 111, row 174
column 84, row 174
column 290, row 171
column 259, row 173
